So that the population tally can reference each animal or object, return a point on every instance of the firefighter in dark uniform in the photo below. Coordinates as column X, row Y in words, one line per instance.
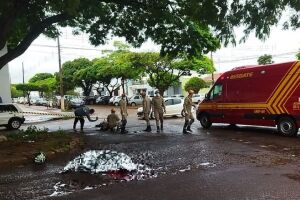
column 187, row 108
column 158, row 106
column 80, row 113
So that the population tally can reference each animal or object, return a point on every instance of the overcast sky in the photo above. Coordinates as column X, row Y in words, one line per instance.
column 42, row 55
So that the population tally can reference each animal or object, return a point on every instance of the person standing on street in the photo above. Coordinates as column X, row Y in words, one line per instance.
column 80, row 113
column 124, row 113
column 146, row 110
column 158, row 105
column 187, row 108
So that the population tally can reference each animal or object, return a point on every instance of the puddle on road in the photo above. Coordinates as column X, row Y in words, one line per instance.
column 97, row 168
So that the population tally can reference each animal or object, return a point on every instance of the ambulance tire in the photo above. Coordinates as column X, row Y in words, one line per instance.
column 205, row 121
column 287, row 127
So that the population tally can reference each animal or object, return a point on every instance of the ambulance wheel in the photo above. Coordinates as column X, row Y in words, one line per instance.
column 287, row 127
column 205, row 121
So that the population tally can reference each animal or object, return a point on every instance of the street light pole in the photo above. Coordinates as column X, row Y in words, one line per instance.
column 62, row 102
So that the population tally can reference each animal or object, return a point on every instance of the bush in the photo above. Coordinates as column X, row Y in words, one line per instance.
column 195, row 84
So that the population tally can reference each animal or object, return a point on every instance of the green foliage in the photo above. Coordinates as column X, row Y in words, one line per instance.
column 40, row 77
column 195, row 84
column 27, row 87
column 14, row 92
column 177, row 26
column 78, row 73
column 265, row 59
column 33, row 133
column 165, row 71
column 298, row 55
column 72, row 93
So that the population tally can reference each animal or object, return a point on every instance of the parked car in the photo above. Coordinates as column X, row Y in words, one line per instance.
column 76, row 102
column 174, row 107
column 10, row 116
column 116, row 100
column 103, row 100
column 41, row 102
column 90, row 100
column 135, row 100
column 178, row 96
column 197, row 98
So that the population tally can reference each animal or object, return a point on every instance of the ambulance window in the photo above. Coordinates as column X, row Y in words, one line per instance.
column 216, row 92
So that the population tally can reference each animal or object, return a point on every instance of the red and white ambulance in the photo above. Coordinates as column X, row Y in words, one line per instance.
column 265, row 95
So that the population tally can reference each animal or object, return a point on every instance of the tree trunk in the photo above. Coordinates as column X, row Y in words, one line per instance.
column 123, row 88
column 28, row 98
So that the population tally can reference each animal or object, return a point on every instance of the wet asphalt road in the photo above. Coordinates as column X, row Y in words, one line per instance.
column 221, row 163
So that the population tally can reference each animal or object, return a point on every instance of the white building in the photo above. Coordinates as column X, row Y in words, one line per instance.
column 5, row 93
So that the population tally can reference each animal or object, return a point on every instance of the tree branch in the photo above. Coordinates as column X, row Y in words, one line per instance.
column 34, row 32
column 8, row 18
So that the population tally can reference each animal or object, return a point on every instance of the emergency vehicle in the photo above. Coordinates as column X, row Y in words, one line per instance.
column 265, row 95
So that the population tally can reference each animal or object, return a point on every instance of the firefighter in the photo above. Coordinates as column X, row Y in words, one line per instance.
column 80, row 113
column 124, row 113
column 146, row 110
column 187, row 108
column 158, row 106
column 113, row 120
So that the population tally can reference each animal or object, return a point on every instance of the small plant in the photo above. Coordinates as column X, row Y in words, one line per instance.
column 35, row 133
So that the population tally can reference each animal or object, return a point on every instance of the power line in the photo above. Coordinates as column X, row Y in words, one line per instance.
column 256, row 56
column 66, row 47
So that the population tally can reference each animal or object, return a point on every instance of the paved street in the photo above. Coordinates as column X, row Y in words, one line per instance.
column 219, row 163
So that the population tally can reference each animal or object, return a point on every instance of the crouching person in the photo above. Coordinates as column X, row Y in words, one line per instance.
column 80, row 113
column 113, row 121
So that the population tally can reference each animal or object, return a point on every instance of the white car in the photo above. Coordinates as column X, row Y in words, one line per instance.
column 11, row 116
column 197, row 98
column 174, row 107
column 116, row 100
column 135, row 100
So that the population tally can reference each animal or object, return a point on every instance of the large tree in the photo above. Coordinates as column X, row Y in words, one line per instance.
column 106, row 75
column 126, row 65
column 77, row 73
column 164, row 72
column 177, row 25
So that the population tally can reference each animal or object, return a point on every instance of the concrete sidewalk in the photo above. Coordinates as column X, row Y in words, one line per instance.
column 34, row 114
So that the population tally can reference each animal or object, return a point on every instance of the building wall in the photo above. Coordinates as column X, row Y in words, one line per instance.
column 5, row 81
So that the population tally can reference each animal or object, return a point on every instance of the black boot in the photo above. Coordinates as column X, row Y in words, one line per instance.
column 184, row 127
column 158, row 130
column 189, row 129
column 161, row 127
column 148, row 129
column 123, row 131
column 185, row 131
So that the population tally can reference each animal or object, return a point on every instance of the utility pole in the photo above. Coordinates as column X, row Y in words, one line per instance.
column 23, row 72
column 23, row 75
column 212, row 73
column 62, row 102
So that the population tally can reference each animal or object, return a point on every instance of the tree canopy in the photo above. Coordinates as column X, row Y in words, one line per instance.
column 40, row 76
column 164, row 72
column 190, row 26
column 195, row 83
column 77, row 73
column 265, row 59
